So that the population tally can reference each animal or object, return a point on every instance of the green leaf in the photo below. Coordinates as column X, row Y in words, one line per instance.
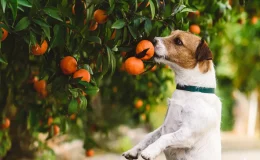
column 41, row 22
column 2, row 60
column 74, row 92
column 3, row 3
column 148, row 26
column 52, row 12
column 87, row 67
column 83, row 102
column 13, row 5
column 118, row 24
column 24, row 3
column 94, row 39
column 132, row 31
column 111, row 60
column 32, row 38
column 111, row 3
column 22, row 24
column 59, row 36
column 178, row 9
column 73, row 106
column 91, row 90
column 152, row 7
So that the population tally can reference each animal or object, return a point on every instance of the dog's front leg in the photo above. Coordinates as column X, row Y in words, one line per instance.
column 182, row 138
column 149, row 139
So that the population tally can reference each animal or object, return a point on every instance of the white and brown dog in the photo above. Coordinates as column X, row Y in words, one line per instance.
column 191, row 129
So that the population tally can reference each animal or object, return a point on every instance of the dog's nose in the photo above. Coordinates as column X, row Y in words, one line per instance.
column 155, row 41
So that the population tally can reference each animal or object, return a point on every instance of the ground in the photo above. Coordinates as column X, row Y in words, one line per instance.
column 233, row 148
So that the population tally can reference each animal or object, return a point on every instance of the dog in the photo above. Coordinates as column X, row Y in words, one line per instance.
column 191, row 129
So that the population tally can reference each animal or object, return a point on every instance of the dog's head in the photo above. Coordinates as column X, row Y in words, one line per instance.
column 183, row 49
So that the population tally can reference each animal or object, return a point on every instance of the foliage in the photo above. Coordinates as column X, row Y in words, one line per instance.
column 29, row 22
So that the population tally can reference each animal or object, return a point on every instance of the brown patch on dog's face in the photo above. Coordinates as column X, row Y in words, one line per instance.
column 187, row 50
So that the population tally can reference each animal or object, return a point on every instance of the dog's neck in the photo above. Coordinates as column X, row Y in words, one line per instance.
column 194, row 77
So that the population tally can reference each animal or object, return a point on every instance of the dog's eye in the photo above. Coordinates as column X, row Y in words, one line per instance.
column 178, row 41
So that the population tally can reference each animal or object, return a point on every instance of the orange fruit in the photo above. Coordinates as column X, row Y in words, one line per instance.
column 40, row 86
column 134, row 66
column 40, row 49
column 56, row 130
column 90, row 152
column 154, row 68
column 115, row 89
column 148, row 3
column 68, row 65
column 150, row 84
column 254, row 19
column 123, row 54
column 93, row 25
column 194, row 28
column 145, row 44
column 143, row 117
column 194, row 14
column 4, row 34
column 44, row 93
column 82, row 73
column 50, row 121
column 73, row 9
column 148, row 107
column 73, row 117
column 113, row 36
column 6, row 123
column 100, row 16
column 139, row 103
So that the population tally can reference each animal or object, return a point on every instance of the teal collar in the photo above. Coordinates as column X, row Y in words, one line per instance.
column 196, row 89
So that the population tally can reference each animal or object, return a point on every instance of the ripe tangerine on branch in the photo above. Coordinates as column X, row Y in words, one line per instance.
column 6, row 123
column 254, row 19
column 90, row 153
column 4, row 34
column 93, row 25
column 134, row 66
column 40, row 49
column 40, row 86
column 143, row 45
column 68, row 65
column 100, row 16
column 194, row 28
column 82, row 73
column 56, row 130
column 139, row 103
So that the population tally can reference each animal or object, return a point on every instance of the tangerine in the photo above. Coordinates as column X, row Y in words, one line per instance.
column 100, row 16
column 40, row 86
column 40, row 49
column 4, row 34
column 56, row 130
column 6, row 123
column 68, row 65
column 143, row 45
column 83, row 73
column 254, row 19
column 139, row 103
column 93, row 25
column 90, row 152
column 194, row 28
column 134, row 66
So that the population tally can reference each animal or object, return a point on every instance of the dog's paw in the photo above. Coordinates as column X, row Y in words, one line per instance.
column 150, row 153
column 131, row 154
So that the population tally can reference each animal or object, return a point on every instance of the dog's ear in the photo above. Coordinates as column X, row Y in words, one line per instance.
column 203, row 52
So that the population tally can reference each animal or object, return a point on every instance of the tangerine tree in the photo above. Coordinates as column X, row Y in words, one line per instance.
column 61, row 60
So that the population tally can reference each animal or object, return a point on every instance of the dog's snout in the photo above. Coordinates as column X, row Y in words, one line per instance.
column 155, row 41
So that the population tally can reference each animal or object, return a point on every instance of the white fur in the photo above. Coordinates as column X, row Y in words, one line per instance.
column 191, row 130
